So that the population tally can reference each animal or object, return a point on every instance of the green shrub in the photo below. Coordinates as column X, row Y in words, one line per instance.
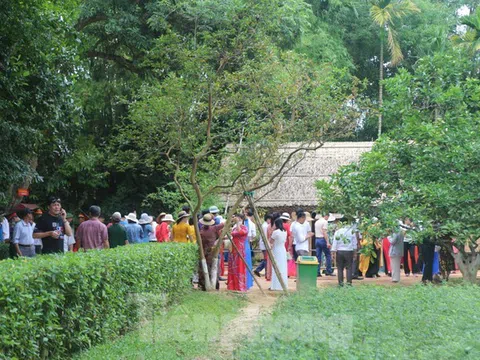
column 4, row 251
column 54, row 305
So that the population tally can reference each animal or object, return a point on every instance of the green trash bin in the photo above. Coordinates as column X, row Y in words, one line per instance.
column 307, row 272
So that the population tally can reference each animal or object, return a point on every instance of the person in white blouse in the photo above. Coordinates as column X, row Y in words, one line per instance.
column 344, row 248
column 278, row 239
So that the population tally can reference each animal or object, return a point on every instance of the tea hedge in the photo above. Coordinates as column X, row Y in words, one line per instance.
column 4, row 251
column 52, row 306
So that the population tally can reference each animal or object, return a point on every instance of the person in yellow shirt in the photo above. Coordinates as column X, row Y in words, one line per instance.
column 182, row 232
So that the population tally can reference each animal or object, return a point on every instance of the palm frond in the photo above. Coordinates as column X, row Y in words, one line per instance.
column 380, row 16
column 394, row 47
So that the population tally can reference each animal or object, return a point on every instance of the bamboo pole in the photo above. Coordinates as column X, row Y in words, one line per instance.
column 246, row 265
column 265, row 241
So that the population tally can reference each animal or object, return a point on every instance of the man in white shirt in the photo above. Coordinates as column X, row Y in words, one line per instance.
column 5, row 229
column 23, row 234
column 267, row 221
column 69, row 241
column 302, row 232
column 322, row 244
column 344, row 248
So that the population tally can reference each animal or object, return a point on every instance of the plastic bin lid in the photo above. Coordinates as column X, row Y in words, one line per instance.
column 307, row 260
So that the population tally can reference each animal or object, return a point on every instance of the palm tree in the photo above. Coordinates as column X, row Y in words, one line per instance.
column 471, row 38
column 383, row 12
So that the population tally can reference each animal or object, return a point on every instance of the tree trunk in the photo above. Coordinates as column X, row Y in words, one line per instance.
column 228, row 220
column 267, row 246
column 380, row 88
column 469, row 264
column 208, row 284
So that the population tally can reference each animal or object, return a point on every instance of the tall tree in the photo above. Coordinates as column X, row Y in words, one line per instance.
column 429, row 168
column 38, row 116
column 383, row 13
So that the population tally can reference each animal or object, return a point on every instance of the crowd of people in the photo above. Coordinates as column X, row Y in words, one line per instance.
column 336, row 242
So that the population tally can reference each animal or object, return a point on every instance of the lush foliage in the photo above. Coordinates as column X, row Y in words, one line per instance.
column 81, row 83
column 52, row 306
column 429, row 168
column 190, row 330
column 369, row 322
column 37, row 113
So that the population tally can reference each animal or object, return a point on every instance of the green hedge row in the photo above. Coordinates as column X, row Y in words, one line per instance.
column 4, row 251
column 55, row 305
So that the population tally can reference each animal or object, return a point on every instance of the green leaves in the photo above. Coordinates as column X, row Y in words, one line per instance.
column 52, row 306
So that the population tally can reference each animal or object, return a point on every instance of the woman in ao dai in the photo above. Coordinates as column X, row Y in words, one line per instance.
column 278, row 239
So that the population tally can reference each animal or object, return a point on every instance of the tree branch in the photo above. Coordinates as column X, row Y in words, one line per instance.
column 120, row 60
column 83, row 23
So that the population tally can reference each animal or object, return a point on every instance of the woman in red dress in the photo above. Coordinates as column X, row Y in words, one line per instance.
column 237, row 277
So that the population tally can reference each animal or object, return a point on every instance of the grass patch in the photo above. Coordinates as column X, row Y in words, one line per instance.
column 419, row 322
column 181, row 331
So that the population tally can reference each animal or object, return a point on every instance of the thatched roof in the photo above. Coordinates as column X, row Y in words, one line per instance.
column 297, row 186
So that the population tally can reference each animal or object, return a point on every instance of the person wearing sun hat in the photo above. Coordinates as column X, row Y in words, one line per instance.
column 134, row 231
column 146, row 223
column 181, row 230
column 163, row 233
column 215, row 213
column 209, row 234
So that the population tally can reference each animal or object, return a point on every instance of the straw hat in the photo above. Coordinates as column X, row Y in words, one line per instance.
column 207, row 220
column 308, row 216
column 285, row 216
column 331, row 218
column 145, row 219
column 132, row 217
column 168, row 217
column 182, row 214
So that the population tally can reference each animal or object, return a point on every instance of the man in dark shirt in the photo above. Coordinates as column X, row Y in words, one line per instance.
column 117, row 234
column 52, row 226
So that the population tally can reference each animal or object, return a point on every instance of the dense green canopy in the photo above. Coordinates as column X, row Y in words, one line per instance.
column 87, row 86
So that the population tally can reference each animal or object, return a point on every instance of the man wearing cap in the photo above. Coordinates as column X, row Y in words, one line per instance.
column 117, row 234
column 23, row 234
column 52, row 227
column 322, row 244
column 93, row 234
